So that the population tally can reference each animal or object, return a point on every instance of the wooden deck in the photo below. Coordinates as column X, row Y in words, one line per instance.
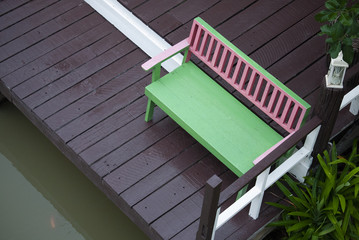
column 79, row 80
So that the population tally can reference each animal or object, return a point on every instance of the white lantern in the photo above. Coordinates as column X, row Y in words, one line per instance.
column 336, row 73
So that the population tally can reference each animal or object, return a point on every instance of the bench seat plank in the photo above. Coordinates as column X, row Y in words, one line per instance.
column 222, row 124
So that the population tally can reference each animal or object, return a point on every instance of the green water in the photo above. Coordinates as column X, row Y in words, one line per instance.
column 44, row 196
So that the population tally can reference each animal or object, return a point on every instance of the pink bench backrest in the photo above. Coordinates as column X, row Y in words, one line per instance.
column 247, row 77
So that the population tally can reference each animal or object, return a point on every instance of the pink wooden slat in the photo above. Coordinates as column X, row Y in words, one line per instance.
column 258, row 159
column 236, row 73
column 203, row 45
column 224, row 56
column 293, row 115
column 300, row 119
column 196, row 41
column 258, row 88
column 265, row 94
column 216, row 54
column 244, row 76
column 279, row 104
column 272, row 99
column 229, row 68
column 193, row 32
column 165, row 54
column 286, row 110
column 210, row 48
column 251, row 83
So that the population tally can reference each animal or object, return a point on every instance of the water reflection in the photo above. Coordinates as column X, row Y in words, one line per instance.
column 44, row 196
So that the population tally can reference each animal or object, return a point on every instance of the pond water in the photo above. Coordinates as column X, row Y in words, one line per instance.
column 44, row 196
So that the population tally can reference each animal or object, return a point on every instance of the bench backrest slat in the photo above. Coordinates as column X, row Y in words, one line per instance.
column 247, row 77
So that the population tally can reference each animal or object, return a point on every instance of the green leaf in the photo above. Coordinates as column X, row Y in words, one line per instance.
column 283, row 223
column 345, row 19
column 348, row 53
column 342, row 202
column 308, row 233
column 350, row 175
column 281, row 206
column 326, row 231
column 336, row 226
column 326, row 29
column 356, row 190
column 293, row 186
column 299, row 225
column 332, row 5
column 300, row 214
column 335, row 204
column 322, row 16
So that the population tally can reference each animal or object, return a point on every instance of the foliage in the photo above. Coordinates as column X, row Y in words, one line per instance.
column 342, row 27
column 325, row 205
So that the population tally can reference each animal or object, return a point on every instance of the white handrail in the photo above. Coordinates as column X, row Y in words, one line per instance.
column 352, row 98
column 265, row 180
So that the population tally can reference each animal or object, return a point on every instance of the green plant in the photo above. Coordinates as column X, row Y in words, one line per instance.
column 342, row 26
column 325, row 205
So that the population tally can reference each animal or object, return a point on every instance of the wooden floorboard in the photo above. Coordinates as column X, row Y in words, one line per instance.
column 80, row 81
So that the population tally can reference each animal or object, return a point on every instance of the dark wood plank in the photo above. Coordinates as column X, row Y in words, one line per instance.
column 153, row 161
column 158, row 7
column 101, row 56
column 299, row 59
column 65, row 69
column 284, row 43
column 108, row 125
column 179, row 189
column 9, row 5
column 123, row 137
column 44, row 31
column 213, row 16
column 103, row 111
column 58, row 54
column 293, row 17
column 131, row 4
column 157, row 175
column 183, row 218
column 133, row 147
column 36, row 20
column 65, row 100
column 179, row 15
column 69, row 32
column 248, row 18
column 22, row 12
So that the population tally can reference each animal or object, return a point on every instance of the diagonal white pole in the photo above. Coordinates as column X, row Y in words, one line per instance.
column 135, row 30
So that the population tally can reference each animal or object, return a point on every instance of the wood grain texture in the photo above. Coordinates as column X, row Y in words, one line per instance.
column 93, row 108
column 51, row 42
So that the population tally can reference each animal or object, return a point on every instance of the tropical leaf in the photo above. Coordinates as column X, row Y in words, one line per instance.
column 342, row 202
column 299, row 225
column 300, row 214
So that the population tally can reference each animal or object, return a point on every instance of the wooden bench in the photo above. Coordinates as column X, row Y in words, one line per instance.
column 212, row 115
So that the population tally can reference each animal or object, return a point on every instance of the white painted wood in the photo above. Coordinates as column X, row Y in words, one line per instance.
column 257, row 201
column 135, row 30
column 354, row 106
column 237, row 206
column 215, row 223
column 349, row 97
column 287, row 165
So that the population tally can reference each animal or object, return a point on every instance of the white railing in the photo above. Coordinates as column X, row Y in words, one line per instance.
column 254, row 196
column 297, row 164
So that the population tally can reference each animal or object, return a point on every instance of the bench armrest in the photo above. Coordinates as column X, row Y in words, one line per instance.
column 166, row 54
column 258, row 159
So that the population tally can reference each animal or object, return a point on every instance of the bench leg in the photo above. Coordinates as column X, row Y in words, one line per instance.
column 149, row 111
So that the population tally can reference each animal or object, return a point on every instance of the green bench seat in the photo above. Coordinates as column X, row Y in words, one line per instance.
column 216, row 119
column 219, row 121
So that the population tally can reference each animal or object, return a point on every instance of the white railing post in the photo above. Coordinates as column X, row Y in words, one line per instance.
column 354, row 106
column 257, row 201
column 301, row 169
